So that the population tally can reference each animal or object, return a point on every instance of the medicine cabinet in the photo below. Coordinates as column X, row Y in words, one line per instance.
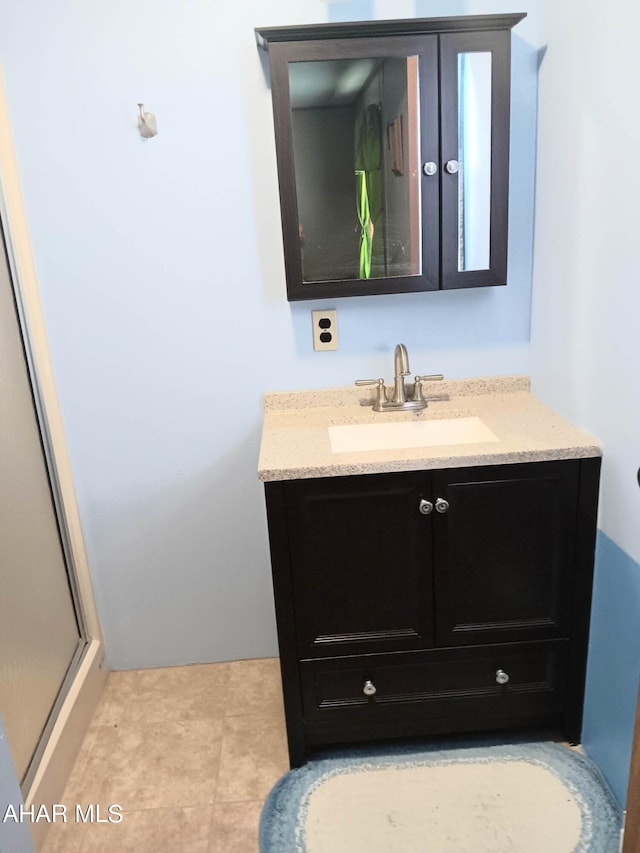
column 392, row 144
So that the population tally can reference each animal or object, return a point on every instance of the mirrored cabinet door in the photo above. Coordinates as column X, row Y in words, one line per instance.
column 356, row 122
column 475, row 155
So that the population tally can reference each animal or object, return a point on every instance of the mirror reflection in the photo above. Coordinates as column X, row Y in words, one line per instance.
column 474, row 160
column 357, row 160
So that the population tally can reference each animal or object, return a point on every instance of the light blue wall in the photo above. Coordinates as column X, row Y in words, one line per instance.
column 586, row 303
column 352, row 10
column 162, row 278
column 14, row 837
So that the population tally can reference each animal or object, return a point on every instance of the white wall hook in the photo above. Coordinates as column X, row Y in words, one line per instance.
column 147, row 124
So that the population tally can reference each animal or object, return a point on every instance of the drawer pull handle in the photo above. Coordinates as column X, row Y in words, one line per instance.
column 425, row 507
column 501, row 676
column 441, row 505
column 369, row 688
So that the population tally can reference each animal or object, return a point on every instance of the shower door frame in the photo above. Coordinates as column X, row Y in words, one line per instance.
column 82, row 686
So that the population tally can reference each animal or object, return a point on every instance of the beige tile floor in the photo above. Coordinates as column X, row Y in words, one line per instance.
column 189, row 753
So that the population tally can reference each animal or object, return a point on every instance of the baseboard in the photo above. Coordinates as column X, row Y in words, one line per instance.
column 66, row 736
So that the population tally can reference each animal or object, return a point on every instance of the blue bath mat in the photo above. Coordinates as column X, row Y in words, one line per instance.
column 515, row 798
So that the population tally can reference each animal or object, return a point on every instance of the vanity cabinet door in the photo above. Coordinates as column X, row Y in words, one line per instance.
column 505, row 552
column 361, row 552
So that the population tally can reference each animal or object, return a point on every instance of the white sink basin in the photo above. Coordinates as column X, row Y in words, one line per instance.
column 388, row 436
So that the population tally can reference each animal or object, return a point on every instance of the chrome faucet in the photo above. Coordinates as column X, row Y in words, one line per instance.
column 399, row 401
column 401, row 367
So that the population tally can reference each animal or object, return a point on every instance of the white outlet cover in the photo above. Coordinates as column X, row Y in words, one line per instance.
column 330, row 316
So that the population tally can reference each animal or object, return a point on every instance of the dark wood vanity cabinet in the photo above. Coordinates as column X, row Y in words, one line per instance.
column 392, row 144
column 427, row 602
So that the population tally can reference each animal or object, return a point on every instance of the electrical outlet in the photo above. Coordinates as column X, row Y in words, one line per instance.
column 325, row 330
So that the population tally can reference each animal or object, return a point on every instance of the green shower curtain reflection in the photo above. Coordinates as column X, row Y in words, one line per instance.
column 368, row 154
column 366, row 226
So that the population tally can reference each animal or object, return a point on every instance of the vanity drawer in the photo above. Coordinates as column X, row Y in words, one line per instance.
column 518, row 678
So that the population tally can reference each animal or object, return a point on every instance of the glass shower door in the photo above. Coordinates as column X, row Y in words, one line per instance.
column 40, row 635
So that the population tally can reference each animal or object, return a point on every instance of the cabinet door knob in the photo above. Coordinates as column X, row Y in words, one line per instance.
column 441, row 505
column 430, row 168
column 369, row 688
column 425, row 507
column 452, row 166
column 501, row 676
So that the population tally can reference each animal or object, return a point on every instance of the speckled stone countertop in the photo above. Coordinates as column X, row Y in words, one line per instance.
column 295, row 438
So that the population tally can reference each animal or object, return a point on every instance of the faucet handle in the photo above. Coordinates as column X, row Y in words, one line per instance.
column 369, row 381
column 381, row 391
column 417, row 388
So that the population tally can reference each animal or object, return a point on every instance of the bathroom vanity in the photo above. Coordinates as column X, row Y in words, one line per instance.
column 423, row 586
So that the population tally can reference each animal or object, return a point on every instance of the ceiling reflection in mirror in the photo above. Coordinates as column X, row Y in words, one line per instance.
column 357, row 165
column 474, row 160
